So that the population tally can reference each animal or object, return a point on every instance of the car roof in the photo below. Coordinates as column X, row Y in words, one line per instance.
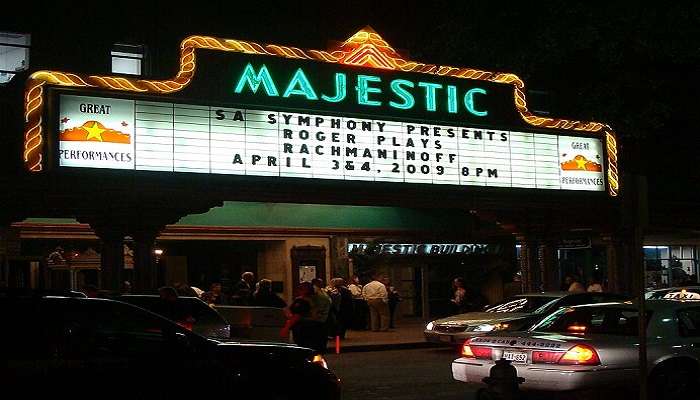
column 38, row 293
column 543, row 294
column 563, row 293
column 155, row 297
column 649, row 304
column 676, row 288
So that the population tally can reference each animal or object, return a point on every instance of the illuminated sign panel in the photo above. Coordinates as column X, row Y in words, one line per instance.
column 434, row 249
column 359, row 111
column 162, row 136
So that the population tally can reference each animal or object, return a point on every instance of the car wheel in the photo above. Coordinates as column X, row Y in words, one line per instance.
column 673, row 381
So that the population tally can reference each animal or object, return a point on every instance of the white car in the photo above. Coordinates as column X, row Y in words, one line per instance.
column 594, row 347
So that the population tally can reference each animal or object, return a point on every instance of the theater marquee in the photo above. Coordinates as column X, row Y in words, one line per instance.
column 253, row 110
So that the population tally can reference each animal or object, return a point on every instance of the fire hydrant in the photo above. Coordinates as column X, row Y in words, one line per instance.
column 502, row 382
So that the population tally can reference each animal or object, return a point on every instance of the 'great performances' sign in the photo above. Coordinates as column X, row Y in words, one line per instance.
column 100, row 132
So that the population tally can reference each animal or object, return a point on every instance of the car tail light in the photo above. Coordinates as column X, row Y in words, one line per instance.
column 580, row 354
column 469, row 351
column 577, row 328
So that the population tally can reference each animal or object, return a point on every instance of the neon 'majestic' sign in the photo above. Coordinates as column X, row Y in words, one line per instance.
column 367, row 90
column 358, row 112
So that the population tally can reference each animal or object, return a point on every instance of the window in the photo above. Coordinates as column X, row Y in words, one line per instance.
column 670, row 265
column 14, row 54
column 127, row 59
column 689, row 322
column 523, row 304
column 595, row 320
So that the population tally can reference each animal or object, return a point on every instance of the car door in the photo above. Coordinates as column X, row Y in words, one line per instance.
column 134, row 353
column 689, row 330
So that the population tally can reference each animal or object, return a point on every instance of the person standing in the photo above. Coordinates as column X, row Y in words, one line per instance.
column 377, row 298
column 243, row 291
column 595, row 285
column 355, row 287
column 359, row 305
column 214, row 295
column 394, row 299
column 265, row 297
column 459, row 296
column 345, row 309
column 321, row 303
column 306, row 330
column 574, row 285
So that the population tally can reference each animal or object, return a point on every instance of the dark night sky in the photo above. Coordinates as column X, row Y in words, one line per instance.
column 630, row 65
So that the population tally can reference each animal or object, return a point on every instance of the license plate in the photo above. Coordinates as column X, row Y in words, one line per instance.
column 444, row 338
column 517, row 357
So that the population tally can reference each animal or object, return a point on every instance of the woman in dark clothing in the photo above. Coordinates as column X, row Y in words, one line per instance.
column 344, row 311
column 306, row 331
column 265, row 297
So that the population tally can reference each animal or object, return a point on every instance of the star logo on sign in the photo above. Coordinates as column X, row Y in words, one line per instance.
column 94, row 132
column 65, row 120
column 581, row 163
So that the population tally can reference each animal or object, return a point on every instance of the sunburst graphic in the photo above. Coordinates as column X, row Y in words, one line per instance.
column 94, row 131
column 581, row 163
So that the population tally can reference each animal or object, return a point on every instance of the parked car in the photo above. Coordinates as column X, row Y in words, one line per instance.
column 674, row 293
column 512, row 314
column 596, row 346
column 188, row 312
column 66, row 347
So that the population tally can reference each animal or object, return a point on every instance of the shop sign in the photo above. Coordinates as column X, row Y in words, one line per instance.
column 358, row 113
column 421, row 249
column 574, row 243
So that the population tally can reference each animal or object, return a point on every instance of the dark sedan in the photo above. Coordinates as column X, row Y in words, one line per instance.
column 63, row 347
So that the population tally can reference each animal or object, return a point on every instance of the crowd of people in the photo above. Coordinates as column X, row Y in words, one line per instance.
column 318, row 312
column 572, row 283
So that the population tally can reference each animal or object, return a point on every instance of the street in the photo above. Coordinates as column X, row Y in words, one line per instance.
column 398, row 374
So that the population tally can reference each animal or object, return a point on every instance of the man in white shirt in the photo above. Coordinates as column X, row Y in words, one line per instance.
column 377, row 298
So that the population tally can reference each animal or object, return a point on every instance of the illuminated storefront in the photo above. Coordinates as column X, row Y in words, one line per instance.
column 357, row 124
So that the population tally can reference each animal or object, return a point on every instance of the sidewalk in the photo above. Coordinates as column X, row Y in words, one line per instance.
column 408, row 334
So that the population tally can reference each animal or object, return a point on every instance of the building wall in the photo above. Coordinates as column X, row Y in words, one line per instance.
column 273, row 265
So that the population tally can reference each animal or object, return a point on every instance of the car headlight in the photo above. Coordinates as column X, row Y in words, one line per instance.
column 491, row 327
column 429, row 326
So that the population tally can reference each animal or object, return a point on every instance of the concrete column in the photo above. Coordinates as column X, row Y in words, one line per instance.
column 527, row 251
column 613, row 253
column 547, row 265
column 112, row 260
column 146, row 277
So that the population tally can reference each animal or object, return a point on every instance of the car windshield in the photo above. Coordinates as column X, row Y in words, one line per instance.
column 596, row 320
column 184, row 309
column 521, row 304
